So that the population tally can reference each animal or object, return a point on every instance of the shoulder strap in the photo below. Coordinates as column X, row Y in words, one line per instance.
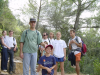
column 77, row 39
column 25, row 34
column 37, row 35
column 13, row 39
column 49, row 41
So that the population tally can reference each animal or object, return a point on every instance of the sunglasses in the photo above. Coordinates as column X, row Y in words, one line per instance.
column 44, row 35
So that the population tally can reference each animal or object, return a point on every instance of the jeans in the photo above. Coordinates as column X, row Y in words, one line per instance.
column 4, row 58
column 29, row 60
column 11, row 55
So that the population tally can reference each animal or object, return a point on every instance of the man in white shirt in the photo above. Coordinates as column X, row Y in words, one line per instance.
column 75, row 46
column 11, row 45
column 45, row 37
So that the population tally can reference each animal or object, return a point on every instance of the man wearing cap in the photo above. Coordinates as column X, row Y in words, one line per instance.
column 29, row 42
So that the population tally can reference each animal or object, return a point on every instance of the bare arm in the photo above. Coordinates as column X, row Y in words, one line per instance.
column 64, row 54
column 70, row 47
column 78, row 44
column 42, row 43
column 53, row 67
column 52, row 51
column 21, row 48
column 46, row 68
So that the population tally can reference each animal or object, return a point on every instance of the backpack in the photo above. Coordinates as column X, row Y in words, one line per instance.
column 14, row 46
column 37, row 35
column 84, row 48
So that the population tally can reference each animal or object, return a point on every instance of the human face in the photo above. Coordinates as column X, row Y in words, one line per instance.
column 58, row 35
column 51, row 35
column 32, row 24
column 4, row 33
column 10, row 34
column 72, row 34
column 45, row 36
column 48, row 50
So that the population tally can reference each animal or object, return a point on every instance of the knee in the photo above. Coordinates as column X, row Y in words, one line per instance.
column 62, row 68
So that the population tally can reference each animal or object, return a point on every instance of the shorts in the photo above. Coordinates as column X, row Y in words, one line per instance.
column 59, row 59
column 78, row 56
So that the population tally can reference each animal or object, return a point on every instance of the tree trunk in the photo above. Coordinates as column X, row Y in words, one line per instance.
column 38, row 16
column 76, row 25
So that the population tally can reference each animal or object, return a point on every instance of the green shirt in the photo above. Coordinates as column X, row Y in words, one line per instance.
column 31, row 39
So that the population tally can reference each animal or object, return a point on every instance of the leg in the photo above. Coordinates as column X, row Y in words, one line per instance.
column 78, row 56
column 77, row 67
column 6, row 58
column 33, row 63
column 55, row 69
column 26, row 63
column 38, row 68
column 11, row 54
column 62, row 68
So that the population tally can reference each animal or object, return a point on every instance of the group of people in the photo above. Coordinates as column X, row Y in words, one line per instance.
column 53, row 51
column 9, row 45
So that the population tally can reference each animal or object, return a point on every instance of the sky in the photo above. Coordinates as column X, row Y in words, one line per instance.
column 16, row 5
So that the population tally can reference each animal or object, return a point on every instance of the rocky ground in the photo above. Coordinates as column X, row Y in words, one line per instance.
column 19, row 68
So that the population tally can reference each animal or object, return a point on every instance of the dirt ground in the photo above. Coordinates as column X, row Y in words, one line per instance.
column 58, row 73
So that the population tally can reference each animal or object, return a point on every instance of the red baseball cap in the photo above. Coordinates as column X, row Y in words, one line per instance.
column 49, row 46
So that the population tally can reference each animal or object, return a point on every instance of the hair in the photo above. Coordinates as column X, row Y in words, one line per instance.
column 72, row 30
column 3, row 31
column 11, row 31
column 46, row 33
column 52, row 33
column 58, row 32
column 46, row 42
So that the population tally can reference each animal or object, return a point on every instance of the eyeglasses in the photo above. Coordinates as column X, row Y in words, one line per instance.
column 44, row 35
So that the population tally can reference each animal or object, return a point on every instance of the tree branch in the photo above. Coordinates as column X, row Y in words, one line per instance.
column 88, row 5
column 91, row 27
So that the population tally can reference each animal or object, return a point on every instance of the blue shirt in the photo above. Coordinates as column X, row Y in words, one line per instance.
column 47, row 62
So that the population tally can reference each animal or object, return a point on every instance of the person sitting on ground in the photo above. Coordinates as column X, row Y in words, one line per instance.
column 47, row 62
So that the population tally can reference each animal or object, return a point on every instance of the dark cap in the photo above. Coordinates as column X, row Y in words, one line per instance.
column 32, row 19
column 49, row 46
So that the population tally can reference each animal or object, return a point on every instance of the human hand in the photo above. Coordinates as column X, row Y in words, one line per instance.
column 14, row 49
column 49, row 70
column 72, row 41
column 21, row 55
column 9, row 48
column 64, row 58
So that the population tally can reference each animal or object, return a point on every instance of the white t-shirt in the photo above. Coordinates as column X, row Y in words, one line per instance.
column 58, row 46
column 43, row 40
column 51, row 41
column 5, row 40
column 10, row 41
column 74, row 46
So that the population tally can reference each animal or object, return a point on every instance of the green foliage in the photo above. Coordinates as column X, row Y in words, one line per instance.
column 96, row 64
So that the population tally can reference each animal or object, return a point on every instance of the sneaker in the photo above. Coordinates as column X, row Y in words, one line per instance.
column 10, row 72
column 5, row 70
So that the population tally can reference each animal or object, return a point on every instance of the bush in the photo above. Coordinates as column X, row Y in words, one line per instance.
column 96, row 64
